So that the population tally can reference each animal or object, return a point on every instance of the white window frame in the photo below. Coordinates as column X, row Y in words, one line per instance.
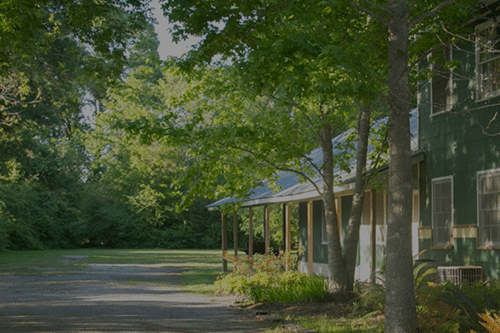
column 435, row 227
column 483, row 95
column 449, row 95
column 480, row 214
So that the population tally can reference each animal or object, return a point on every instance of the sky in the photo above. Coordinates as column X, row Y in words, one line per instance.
column 167, row 47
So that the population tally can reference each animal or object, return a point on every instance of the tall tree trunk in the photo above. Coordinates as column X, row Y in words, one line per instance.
column 352, row 236
column 400, row 311
column 338, row 274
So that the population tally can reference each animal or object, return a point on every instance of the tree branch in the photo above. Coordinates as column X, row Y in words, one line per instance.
column 275, row 166
column 372, row 13
column 412, row 5
column 484, row 129
column 374, row 166
column 431, row 12
column 293, row 104
column 382, row 9
column 423, row 56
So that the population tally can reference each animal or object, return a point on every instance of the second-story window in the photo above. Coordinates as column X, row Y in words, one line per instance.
column 488, row 60
column 442, row 83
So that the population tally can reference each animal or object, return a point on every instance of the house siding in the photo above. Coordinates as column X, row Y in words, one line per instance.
column 455, row 145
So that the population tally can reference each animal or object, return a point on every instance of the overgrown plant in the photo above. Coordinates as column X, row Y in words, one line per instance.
column 490, row 322
column 263, row 278
column 370, row 300
column 451, row 308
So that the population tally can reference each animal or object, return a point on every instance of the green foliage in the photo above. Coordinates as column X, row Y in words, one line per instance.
column 440, row 308
column 36, row 218
column 490, row 322
column 29, row 27
column 64, row 184
column 369, row 301
column 467, row 313
column 275, row 224
column 264, row 279
column 111, row 222
column 450, row 308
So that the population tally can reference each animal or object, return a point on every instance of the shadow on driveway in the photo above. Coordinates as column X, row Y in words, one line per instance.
column 115, row 298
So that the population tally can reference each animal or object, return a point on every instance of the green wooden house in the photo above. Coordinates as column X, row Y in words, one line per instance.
column 459, row 131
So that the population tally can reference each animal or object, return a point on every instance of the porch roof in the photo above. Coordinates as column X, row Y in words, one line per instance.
column 292, row 188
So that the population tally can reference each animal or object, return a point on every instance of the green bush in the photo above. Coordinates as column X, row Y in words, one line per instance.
column 264, row 279
column 370, row 300
column 451, row 308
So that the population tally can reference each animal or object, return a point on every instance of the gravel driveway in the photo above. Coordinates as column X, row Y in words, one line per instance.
column 115, row 298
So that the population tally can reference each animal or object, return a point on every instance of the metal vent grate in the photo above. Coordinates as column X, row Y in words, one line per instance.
column 458, row 275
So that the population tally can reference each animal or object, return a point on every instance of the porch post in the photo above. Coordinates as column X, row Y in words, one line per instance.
column 373, row 238
column 224, row 242
column 235, row 232
column 284, row 228
column 266, row 231
column 310, row 236
column 250, row 232
column 287, row 233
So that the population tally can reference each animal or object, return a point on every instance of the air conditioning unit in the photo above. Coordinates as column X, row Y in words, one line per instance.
column 460, row 274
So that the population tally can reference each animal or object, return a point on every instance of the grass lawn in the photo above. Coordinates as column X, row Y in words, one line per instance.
column 203, row 266
column 334, row 325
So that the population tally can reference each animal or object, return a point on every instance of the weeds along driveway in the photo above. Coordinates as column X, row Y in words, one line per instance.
column 115, row 298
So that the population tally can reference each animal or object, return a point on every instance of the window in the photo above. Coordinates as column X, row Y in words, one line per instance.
column 488, row 196
column 442, row 83
column 488, row 60
column 442, row 211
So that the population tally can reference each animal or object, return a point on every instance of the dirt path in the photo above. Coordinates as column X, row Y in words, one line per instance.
column 115, row 298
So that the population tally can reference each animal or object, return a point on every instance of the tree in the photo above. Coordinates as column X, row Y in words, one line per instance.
column 29, row 27
column 296, row 55
column 51, row 53
column 29, row 30
column 421, row 21
column 134, row 177
column 404, row 20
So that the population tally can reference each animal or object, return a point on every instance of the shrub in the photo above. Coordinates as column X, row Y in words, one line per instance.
column 434, row 315
column 264, row 279
column 440, row 308
column 450, row 308
column 371, row 300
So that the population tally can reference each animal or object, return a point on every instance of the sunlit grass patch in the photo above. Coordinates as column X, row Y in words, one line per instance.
column 39, row 262
column 333, row 325
column 200, row 280
column 202, row 266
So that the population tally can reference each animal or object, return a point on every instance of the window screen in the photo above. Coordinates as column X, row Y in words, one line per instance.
column 489, row 208
column 442, row 211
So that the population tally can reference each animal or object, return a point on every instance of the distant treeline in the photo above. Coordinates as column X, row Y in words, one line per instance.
column 33, row 217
